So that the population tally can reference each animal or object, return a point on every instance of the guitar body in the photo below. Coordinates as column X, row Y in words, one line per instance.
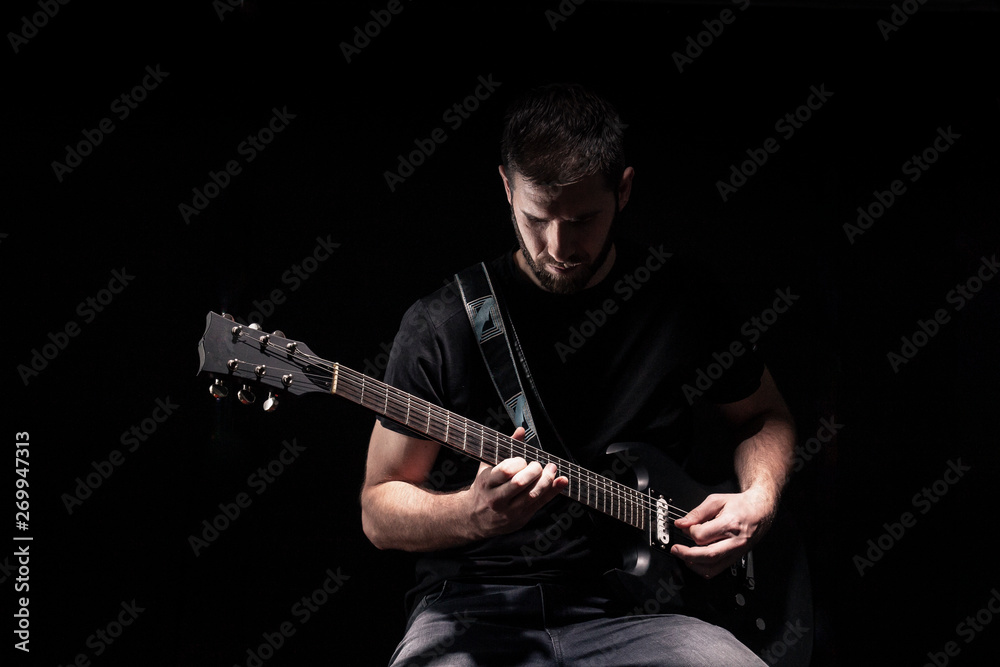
column 765, row 601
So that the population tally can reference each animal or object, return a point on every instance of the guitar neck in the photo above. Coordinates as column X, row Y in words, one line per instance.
column 488, row 445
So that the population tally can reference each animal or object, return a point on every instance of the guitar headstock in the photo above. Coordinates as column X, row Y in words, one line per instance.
column 244, row 355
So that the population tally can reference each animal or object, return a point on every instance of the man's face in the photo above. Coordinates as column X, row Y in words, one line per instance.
column 565, row 231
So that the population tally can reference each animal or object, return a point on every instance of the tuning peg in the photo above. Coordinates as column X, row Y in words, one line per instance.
column 246, row 396
column 255, row 326
column 218, row 390
column 271, row 403
column 279, row 333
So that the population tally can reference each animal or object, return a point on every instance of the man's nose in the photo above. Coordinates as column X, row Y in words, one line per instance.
column 561, row 241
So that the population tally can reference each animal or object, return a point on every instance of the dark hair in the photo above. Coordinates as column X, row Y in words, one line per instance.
column 559, row 133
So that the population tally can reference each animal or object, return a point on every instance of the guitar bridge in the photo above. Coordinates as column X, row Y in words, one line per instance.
column 660, row 524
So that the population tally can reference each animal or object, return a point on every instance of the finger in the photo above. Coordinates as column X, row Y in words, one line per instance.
column 529, row 476
column 706, row 561
column 549, row 483
column 504, row 471
column 518, row 434
column 708, row 509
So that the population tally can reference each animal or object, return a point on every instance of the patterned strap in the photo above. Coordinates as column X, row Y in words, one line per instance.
column 483, row 309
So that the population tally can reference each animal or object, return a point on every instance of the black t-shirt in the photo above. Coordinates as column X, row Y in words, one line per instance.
column 630, row 359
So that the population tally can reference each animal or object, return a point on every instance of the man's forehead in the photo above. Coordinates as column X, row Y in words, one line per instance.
column 543, row 193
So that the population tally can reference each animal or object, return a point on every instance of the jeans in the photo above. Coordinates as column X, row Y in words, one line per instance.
column 464, row 625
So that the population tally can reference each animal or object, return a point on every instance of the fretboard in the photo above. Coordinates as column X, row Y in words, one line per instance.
column 488, row 445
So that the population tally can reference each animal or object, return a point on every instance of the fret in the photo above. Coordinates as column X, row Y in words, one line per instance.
column 605, row 499
column 615, row 505
column 595, row 491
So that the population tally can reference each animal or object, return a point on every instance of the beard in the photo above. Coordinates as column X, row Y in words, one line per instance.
column 576, row 280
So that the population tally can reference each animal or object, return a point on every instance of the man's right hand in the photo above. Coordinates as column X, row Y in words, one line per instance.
column 505, row 496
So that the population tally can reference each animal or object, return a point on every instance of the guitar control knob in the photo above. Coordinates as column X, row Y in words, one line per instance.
column 246, row 396
column 218, row 390
column 271, row 404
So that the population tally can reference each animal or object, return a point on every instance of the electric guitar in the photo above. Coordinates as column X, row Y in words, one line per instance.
column 754, row 599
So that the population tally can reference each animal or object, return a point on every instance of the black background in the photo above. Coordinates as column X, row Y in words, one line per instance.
column 323, row 176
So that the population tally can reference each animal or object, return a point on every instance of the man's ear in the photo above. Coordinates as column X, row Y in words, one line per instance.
column 625, row 187
column 506, row 185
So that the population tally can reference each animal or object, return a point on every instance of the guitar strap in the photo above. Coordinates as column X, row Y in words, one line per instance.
column 501, row 351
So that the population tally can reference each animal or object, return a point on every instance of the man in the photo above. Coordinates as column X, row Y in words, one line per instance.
column 510, row 571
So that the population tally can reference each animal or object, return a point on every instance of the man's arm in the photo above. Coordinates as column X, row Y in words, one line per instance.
column 399, row 512
column 725, row 526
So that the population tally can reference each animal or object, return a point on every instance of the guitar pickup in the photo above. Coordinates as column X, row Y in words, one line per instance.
column 661, row 524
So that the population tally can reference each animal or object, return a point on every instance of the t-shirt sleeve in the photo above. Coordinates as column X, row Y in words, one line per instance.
column 415, row 363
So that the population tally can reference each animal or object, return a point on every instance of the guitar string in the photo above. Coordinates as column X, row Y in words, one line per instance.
column 608, row 491
column 607, row 494
column 429, row 411
column 492, row 444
